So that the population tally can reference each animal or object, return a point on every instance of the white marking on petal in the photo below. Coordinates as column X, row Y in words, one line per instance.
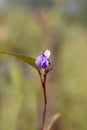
column 47, row 53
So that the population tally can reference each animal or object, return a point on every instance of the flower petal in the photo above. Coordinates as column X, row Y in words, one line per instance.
column 47, row 54
column 38, row 60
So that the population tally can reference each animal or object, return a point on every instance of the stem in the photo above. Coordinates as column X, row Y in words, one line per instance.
column 44, row 111
column 41, row 78
column 43, row 83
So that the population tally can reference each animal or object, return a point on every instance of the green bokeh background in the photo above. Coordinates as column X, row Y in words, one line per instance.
column 30, row 31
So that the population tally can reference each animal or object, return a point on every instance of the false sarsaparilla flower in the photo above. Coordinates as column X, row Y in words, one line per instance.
column 42, row 61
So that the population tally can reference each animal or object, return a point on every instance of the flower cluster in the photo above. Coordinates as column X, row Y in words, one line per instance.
column 42, row 60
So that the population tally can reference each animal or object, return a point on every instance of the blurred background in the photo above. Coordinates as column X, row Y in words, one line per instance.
column 29, row 27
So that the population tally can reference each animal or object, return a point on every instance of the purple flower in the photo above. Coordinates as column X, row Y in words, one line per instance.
column 42, row 60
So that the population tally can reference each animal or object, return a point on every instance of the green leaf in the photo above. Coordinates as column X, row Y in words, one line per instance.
column 27, row 59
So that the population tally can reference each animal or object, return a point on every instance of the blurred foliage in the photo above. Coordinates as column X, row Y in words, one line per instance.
column 29, row 32
column 35, row 4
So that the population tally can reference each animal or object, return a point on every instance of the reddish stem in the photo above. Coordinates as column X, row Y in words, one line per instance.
column 44, row 111
column 43, row 83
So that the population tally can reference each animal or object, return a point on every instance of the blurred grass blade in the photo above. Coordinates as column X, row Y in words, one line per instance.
column 27, row 59
column 55, row 122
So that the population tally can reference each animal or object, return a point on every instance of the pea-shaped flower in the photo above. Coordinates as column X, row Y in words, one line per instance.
column 42, row 60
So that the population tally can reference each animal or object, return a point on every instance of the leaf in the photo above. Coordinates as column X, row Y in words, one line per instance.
column 26, row 59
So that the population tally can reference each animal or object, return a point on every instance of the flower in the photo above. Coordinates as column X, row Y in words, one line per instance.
column 42, row 60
